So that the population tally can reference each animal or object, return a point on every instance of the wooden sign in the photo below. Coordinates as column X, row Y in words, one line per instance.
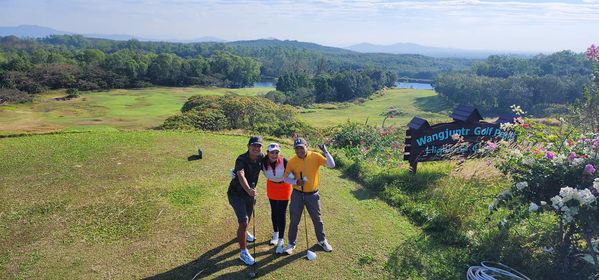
column 462, row 137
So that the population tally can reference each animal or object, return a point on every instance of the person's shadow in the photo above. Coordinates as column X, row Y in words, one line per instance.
column 213, row 261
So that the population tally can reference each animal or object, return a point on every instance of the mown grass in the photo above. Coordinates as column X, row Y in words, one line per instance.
column 149, row 107
column 130, row 205
column 422, row 103
column 122, row 109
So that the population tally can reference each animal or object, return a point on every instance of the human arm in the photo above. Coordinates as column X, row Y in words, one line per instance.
column 244, row 183
column 330, row 162
column 240, row 165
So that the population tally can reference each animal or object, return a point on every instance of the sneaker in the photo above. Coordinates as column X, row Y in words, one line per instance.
column 246, row 258
column 250, row 237
column 280, row 249
column 289, row 249
column 275, row 238
column 325, row 245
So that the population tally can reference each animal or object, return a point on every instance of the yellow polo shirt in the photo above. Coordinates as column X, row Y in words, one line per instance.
column 308, row 167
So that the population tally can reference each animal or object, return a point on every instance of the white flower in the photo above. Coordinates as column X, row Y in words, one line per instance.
column 557, row 202
column 577, row 161
column 517, row 109
column 567, row 193
column 506, row 126
column 585, row 197
column 533, row 207
column 503, row 222
column 596, row 184
column 521, row 185
column 543, row 203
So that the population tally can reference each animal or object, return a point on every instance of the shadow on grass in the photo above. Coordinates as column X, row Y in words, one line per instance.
column 215, row 260
column 434, row 104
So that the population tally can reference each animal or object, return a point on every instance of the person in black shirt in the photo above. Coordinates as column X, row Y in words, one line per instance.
column 242, row 192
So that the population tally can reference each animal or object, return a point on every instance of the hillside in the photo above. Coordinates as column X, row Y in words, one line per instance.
column 135, row 205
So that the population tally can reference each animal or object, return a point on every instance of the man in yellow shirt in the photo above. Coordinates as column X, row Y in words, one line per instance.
column 305, row 166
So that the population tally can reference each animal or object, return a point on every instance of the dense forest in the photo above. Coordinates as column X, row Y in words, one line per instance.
column 29, row 66
column 543, row 85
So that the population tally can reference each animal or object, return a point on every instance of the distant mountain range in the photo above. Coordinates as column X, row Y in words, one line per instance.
column 35, row 31
column 411, row 48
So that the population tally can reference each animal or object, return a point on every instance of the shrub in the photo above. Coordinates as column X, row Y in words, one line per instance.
column 208, row 119
column 276, row 96
column 9, row 95
column 72, row 93
column 256, row 114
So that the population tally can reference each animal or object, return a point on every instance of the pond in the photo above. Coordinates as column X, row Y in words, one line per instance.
column 413, row 85
column 264, row 84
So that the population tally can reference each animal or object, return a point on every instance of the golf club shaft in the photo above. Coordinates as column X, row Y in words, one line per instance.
column 304, row 212
column 254, row 230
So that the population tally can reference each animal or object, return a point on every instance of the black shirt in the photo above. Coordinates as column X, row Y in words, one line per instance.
column 251, row 169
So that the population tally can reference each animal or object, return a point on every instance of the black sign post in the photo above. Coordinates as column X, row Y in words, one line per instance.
column 430, row 143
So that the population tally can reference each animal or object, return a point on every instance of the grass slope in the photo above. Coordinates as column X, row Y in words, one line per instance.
column 125, row 205
column 422, row 103
column 149, row 107
column 122, row 109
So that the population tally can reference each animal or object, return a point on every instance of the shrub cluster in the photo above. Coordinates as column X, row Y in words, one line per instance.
column 228, row 112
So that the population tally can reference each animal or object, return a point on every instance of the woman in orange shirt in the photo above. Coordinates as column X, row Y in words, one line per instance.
column 278, row 192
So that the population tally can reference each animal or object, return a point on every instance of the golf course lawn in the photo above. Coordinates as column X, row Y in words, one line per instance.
column 136, row 109
column 127, row 109
column 129, row 205
column 410, row 102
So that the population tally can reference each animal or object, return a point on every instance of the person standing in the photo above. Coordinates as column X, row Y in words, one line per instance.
column 278, row 192
column 242, row 193
column 304, row 167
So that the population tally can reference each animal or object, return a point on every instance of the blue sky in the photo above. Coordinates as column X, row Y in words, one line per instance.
column 538, row 25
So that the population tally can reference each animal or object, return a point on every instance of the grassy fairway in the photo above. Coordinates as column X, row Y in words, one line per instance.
column 423, row 103
column 128, row 205
column 122, row 109
column 146, row 108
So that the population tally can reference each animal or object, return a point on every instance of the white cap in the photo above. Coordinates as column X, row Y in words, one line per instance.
column 274, row 147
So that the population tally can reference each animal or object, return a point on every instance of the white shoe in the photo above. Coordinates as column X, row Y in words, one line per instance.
column 250, row 237
column 289, row 249
column 280, row 249
column 275, row 238
column 325, row 245
column 246, row 258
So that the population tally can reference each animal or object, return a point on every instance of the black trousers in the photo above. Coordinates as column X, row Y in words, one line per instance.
column 278, row 210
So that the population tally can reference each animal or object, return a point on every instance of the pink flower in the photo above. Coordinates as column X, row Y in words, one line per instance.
column 593, row 53
column 571, row 156
column 491, row 146
column 525, row 125
column 549, row 155
column 589, row 168
column 456, row 137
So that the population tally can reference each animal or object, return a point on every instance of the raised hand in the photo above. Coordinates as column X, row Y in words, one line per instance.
column 323, row 148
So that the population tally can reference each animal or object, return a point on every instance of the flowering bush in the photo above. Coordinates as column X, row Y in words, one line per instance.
column 554, row 171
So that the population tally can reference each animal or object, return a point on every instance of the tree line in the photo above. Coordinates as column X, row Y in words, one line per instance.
column 544, row 85
column 37, row 69
column 302, row 89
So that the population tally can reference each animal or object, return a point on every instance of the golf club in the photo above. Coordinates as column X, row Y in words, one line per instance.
column 253, row 272
column 309, row 254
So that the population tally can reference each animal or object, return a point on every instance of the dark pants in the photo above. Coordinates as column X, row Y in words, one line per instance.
column 278, row 210
column 312, row 203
